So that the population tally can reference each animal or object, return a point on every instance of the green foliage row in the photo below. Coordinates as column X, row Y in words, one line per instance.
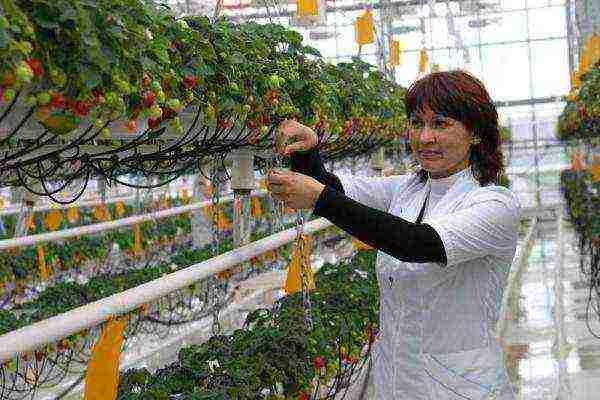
column 580, row 118
column 133, row 62
column 275, row 350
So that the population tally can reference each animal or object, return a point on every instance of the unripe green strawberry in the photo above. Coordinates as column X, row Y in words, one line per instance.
column 26, row 47
column 160, row 96
column 4, row 24
column 24, row 73
column 58, row 77
column 155, row 111
column 105, row 133
column 175, row 104
column 155, row 86
column 123, row 86
column 98, row 123
column 31, row 101
column 44, row 98
column 9, row 95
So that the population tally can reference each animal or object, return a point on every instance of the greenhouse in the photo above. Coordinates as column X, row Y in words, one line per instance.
column 300, row 199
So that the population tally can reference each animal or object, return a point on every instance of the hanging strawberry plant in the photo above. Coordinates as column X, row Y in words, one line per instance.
column 581, row 117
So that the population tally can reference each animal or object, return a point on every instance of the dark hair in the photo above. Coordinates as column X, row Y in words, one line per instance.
column 462, row 97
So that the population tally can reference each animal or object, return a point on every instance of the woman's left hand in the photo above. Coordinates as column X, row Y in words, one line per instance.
column 296, row 190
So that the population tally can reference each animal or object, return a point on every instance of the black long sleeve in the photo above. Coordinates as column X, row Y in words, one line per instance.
column 403, row 240
column 310, row 163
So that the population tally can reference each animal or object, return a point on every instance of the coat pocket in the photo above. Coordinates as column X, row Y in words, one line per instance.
column 477, row 374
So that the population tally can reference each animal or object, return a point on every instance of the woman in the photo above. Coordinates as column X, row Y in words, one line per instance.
column 446, row 237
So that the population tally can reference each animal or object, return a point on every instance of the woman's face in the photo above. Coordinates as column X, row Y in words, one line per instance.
column 440, row 144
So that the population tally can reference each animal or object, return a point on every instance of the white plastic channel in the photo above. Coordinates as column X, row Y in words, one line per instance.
column 56, row 328
column 111, row 225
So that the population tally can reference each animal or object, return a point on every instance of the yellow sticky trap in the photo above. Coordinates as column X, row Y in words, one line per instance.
column 395, row 52
column 308, row 7
column 365, row 29
column 595, row 169
column 73, row 215
column 101, row 213
column 593, row 49
column 102, row 375
column 578, row 163
column 256, row 207
column 31, row 223
column 423, row 61
column 137, row 239
column 53, row 219
column 120, row 208
column 2, row 202
column 300, row 259
column 223, row 223
column 44, row 270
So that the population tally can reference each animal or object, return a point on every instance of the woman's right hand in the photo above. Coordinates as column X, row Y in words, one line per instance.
column 292, row 136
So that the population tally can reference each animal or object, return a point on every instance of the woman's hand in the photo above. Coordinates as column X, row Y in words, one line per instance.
column 302, row 138
column 295, row 190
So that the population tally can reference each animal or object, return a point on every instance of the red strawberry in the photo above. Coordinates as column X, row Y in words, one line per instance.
column 153, row 123
column 149, row 99
column 169, row 113
column 36, row 66
column 82, row 108
column 265, row 120
column 190, row 81
column 304, row 396
column 131, row 126
column 58, row 101
column 8, row 79
column 319, row 362
column 146, row 80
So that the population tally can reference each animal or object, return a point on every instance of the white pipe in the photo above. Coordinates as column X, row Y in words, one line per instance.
column 107, row 226
column 87, row 203
column 56, row 328
column 514, row 276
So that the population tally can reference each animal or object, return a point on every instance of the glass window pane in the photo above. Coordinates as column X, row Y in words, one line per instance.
column 506, row 71
column 509, row 114
column 469, row 35
column 512, row 4
column 547, row 22
column 550, row 68
column 504, row 27
column 472, row 62
column 412, row 39
column 407, row 72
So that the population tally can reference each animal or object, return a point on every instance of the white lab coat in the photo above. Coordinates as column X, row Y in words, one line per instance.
column 437, row 336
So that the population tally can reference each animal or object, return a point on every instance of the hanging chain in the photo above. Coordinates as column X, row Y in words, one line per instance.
column 216, row 286
column 304, row 265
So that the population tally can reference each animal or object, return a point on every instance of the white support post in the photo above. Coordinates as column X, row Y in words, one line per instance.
column 378, row 162
column 242, row 183
column 28, row 201
column 102, row 189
